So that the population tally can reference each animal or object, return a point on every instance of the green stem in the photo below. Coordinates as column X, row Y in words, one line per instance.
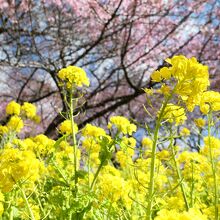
column 70, row 216
column 192, row 186
column 102, row 163
column 153, row 158
column 96, row 174
column 180, row 179
column 60, row 172
column 40, row 205
column 109, row 210
column 27, row 203
column 89, row 168
column 213, row 167
column 11, row 215
column 74, row 142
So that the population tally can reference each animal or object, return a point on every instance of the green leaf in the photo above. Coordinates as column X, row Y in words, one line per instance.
column 57, row 143
column 80, row 174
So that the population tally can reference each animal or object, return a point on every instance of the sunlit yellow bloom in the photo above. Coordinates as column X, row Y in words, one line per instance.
column 213, row 142
column 175, row 202
column 199, row 122
column 73, row 76
column 147, row 142
column 163, row 73
column 210, row 99
column 13, row 108
column 210, row 211
column 113, row 187
column 122, row 124
column 2, row 199
column 15, row 124
column 165, row 89
column 66, row 128
column 128, row 144
column 91, row 130
column 173, row 214
column 191, row 79
column 185, row 132
column 29, row 110
column 36, row 211
column 17, row 165
column 3, row 130
column 123, row 159
column 163, row 155
column 94, row 159
column 156, row 76
column 174, row 113
column 43, row 145
column 91, row 145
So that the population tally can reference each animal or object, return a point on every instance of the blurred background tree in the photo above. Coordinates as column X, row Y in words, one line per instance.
column 118, row 42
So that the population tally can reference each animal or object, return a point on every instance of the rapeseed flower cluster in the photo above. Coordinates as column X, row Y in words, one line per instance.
column 185, row 132
column 175, row 215
column 17, row 166
column 147, row 142
column 174, row 114
column 96, row 173
column 66, row 127
column 42, row 145
column 200, row 123
column 93, row 131
column 18, row 113
column 191, row 79
column 122, row 124
column 210, row 100
column 29, row 110
column 15, row 124
column 73, row 76
column 13, row 108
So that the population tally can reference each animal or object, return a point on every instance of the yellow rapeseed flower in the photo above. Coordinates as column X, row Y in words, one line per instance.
column 74, row 76
column 123, row 159
column 42, row 145
column 165, row 89
column 65, row 127
column 191, row 79
column 173, row 214
column 16, row 165
column 15, row 123
column 147, row 142
column 3, row 130
column 200, row 122
column 93, row 131
column 13, row 108
column 156, row 76
column 163, row 155
column 29, row 110
column 174, row 113
column 210, row 99
column 122, row 124
column 185, row 132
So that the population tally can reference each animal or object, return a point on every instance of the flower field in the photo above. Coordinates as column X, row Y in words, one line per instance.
column 96, row 173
